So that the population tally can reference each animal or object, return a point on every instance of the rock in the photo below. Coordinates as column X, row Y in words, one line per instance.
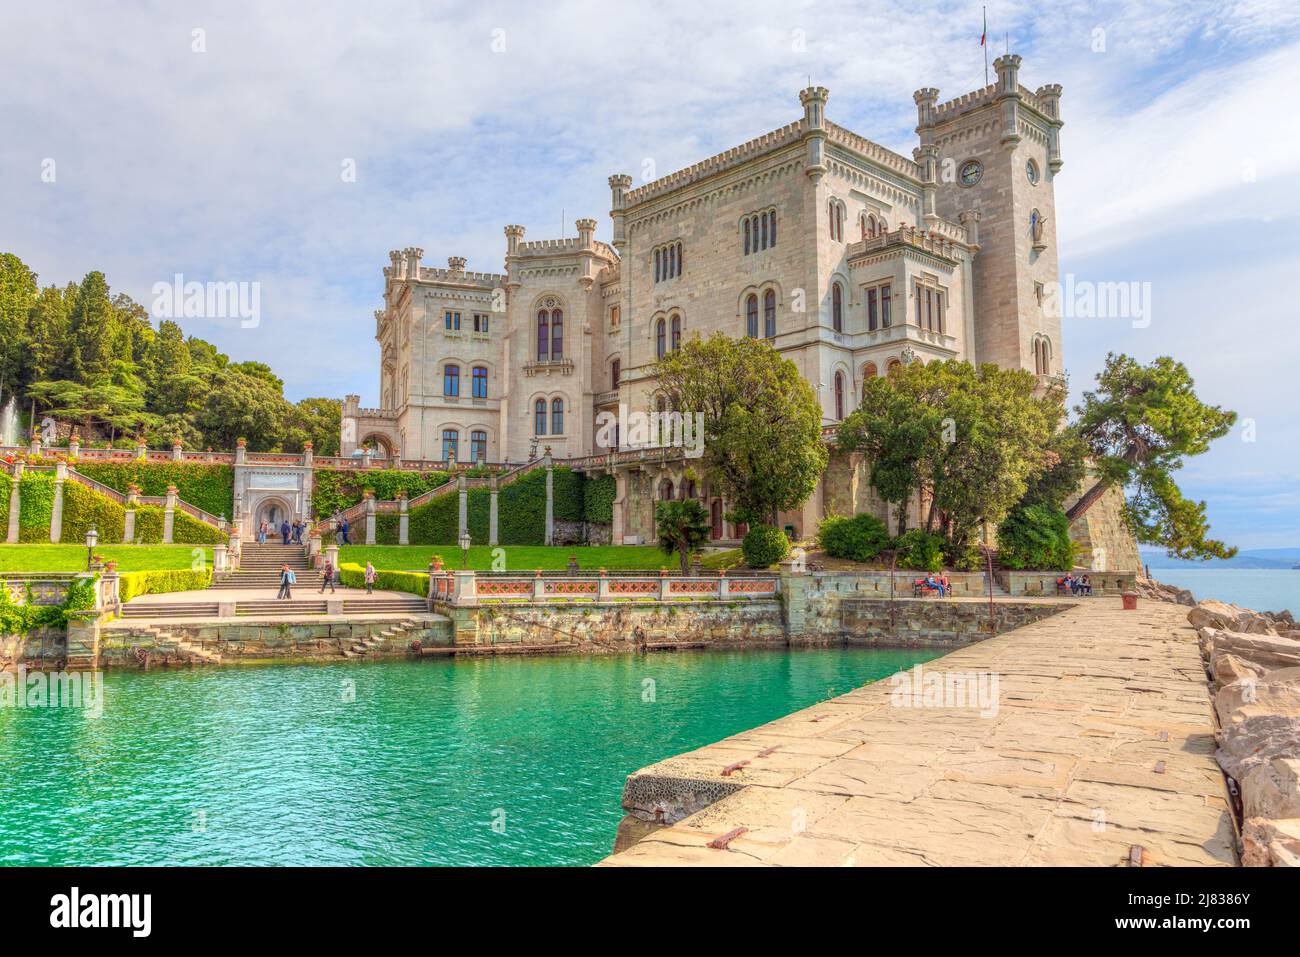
column 1229, row 668
column 1213, row 614
column 1272, row 790
column 1271, row 843
column 1259, row 720
column 1270, row 652
column 1154, row 590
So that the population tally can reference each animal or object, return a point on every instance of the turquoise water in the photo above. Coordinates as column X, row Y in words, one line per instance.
column 1263, row 589
column 477, row 761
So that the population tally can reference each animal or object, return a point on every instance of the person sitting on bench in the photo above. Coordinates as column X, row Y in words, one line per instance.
column 933, row 584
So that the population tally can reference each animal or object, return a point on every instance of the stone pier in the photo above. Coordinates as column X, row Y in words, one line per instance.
column 1099, row 752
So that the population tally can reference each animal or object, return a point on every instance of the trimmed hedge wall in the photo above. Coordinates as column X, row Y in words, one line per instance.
column 210, row 487
column 132, row 584
column 6, row 487
column 36, row 510
column 521, row 511
column 354, row 576
column 598, row 499
column 335, row 489
column 83, row 506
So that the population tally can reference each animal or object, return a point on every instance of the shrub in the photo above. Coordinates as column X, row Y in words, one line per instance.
column 187, row 530
column 1037, row 537
column 598, row 499
column 920, row 550
column 36, row 508
column 335, row 489
column 83, row 507
column 860, row 538
column 764, row 545
column 354, row 576
column 132, row 584
column 682, row 526
column 210, row 487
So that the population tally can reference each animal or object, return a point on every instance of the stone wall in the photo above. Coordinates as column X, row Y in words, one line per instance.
column 1103, row 534
column 923, row 623
column 1044, row 583
column 612, row 627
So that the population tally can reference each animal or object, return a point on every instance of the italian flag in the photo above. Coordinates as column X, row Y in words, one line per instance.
column 985, row 34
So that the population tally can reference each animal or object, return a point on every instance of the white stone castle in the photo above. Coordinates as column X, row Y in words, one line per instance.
column 846, row 256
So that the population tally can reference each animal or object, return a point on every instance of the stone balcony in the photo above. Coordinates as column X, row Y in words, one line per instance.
column 549, row 367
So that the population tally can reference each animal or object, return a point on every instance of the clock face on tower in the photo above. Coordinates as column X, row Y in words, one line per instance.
column 971, row 171
column 1031, row 172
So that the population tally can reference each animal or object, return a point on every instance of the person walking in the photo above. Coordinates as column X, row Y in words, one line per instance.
column 370, row 578
column 327, row 576
column 298, row 526
column 261, row 533
column 284, row 530
column 287, row 578
column 343, row 532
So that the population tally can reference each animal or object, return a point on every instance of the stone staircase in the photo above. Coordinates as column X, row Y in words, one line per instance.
column 259, row 567
column 169, row 644
column 395, row 631
column 277, row 608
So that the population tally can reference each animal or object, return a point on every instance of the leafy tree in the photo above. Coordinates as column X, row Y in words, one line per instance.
column 1036, row 536
column 682, row 526
column 17, row 297
column 764, row 545
column 762, row 422
column 1139, row 425
column 859, row 538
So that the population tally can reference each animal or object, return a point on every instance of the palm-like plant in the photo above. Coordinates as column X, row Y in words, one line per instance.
column 682, row 525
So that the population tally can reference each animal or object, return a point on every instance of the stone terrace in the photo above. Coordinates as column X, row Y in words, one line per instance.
column 1101, row 753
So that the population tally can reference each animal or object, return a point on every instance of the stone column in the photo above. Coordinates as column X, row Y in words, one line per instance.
column 74, row 446
column 539, row 587
column 550, row 498
column 35, row 448
column 724, row 586
column 236, row 549
column 664, row 593
column 403, row 520
column 220, row 558
column 462, row 493
column 169, row 516
column 618, row 526
column 370, row 518
column 241, row 451
column 602, row 587
column 56, row 517
column 308, row 454
column 397, row 458
column 332, row 556
column 132, row 500
column 464, row 590
column 493, row 489
column 14, row 504
column 794, row 591
column 177, row 452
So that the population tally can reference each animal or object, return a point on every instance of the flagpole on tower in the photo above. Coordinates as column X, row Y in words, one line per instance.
column 984, row 43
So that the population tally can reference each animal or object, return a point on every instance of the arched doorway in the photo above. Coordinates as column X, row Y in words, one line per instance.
column 273, row 511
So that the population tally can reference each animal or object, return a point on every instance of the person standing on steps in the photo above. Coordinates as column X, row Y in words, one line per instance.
column 261, row 533
column 327, row 577
column 370, row 578
column 287, row 578
column 343, row 531
column 284, row 530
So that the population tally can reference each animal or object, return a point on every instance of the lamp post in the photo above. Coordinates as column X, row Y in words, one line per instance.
column 465, row 543
column 92, row 536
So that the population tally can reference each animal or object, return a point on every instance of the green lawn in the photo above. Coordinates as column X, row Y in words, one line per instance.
column 518, row 558
column 72, row 558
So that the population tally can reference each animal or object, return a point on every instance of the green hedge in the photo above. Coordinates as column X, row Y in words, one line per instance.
column 387, row 529
column 354, row 576
column 859, row 538
column 133, row 584
column 84, row 506
column 210, row 487
column 438, row 522
column 36, row 510
column 598, row 499
column 521, row 511
column 335, row 489
column 6, row 487
column 917, row 549
column 1037, row 537
column 764, row 545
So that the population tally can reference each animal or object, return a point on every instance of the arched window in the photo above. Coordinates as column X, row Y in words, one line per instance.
column 657, row 257
column 891, row 365
column 869, row 371
column 665, row 490
column 557, row 417
column 763, row 227
column 615, row 368
column 557, row 334
column 769, row 314
column 677, row 333
column 754, row 222
column 480, row 382
column 478, row 446
column 681, row 261
column 771, row 218
column 746, row 237
column 688, row 488
column 450, row 445
column 751, row 316
column 839, row 396
column 543, row 334
column 659, row 339
column 451, row 380
column 672, row 261
column 715, row 519
column 837, row 307
column 539, row 417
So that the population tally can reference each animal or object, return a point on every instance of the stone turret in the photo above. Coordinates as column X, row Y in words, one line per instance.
column 1050, row 97
column 413, row 256
column 814, row 99
column 586, row 231
column 514, row 235
column 619, row 184
column 456, row 266
column 1008, row 68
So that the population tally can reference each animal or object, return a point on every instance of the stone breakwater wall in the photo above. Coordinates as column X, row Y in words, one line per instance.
column 126, row 645
column 1253, row 663
column 929, row 623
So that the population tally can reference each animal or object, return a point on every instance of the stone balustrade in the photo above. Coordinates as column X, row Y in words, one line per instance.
column 469, row 588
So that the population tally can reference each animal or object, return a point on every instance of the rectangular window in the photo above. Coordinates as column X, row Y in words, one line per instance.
column 929, row 309
column 452, row 320
column 480, row 382
column 451, row 381
column 450, row 444
column 480, row 322
column 884, row 306
column 873, row 316
column 938, row 310
column 917, row 298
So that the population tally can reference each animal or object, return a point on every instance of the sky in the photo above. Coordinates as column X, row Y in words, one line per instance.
column 262, row 144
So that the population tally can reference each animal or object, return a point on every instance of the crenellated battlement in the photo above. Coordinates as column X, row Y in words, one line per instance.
column 872, row 151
